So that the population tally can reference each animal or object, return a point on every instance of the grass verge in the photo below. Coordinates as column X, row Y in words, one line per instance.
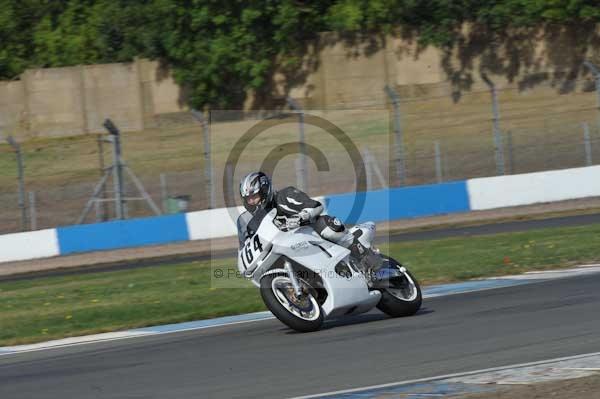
column 56, row 307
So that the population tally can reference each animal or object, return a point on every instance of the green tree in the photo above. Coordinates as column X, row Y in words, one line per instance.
column 220, row 49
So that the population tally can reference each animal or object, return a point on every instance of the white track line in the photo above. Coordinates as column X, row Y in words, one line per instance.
column 67, row 342
column 443, row 377
column 106, row 337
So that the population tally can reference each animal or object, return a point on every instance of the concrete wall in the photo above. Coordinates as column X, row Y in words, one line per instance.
column 336, row 73
column 160, row 93
column 350, row 78
column 54, row 101
column 76, row 100
column 12, row 106
column 112, row 91
column 355, row 72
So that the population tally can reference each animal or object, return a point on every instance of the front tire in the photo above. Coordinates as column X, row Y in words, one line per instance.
column 302, row 314
column 403, row 295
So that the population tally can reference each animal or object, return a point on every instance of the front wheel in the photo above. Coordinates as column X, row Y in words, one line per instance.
column 301, row 313
column 402, row 296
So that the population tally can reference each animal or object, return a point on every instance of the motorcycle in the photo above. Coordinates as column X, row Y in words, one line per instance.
column 305, row 279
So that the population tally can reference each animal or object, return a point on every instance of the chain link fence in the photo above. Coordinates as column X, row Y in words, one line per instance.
column 429, row 135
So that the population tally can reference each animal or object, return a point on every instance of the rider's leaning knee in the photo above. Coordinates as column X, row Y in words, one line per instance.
column 330, row 228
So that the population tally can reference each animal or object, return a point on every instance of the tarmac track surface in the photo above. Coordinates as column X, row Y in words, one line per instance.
column 451, row 334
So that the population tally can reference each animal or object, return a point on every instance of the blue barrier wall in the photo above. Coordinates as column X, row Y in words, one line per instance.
column 122, row 234
column 399, row 203
column 378, row 206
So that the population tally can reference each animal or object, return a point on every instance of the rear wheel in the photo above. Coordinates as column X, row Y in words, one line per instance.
column 299, row 312
column 402, row 296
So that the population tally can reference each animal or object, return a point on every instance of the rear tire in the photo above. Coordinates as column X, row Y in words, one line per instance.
column 302, row 315
column 403, row 297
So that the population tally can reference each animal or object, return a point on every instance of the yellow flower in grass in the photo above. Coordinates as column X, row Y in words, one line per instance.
column 95, row 301
column 68, row 317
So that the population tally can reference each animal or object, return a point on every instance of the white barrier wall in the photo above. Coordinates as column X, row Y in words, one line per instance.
column 532, row 188
column 29, row 245
column 218, row 223
column 213, row 223
column 474, row 194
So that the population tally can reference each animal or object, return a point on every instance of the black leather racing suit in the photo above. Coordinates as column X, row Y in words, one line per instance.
column 291, row 202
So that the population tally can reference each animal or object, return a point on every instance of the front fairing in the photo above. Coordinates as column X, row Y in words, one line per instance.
column 346, row 294
column 303, row 246
column 309, row 249
column 258, row 248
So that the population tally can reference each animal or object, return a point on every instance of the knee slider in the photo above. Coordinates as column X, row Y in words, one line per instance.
column 330, row 228
column 333, row 223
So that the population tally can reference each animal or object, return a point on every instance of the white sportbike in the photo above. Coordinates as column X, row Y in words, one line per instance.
column 304, row 279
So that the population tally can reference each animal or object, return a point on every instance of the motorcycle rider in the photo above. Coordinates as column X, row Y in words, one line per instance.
column 294, row 208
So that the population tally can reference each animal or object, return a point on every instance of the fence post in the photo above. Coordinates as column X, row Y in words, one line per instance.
column 368, row 168
column 164, row 191
column 32, row 211
column 229, row 194
column 17, row 148
column 117, row 180
column 587, row 143
column 399, row 143
column 509, row 150
column 101, row 208
column 117, row 167
column 438, row 162
column 302, row 169
column 208, row 167
column 98, row 211
column 373, row 170
column 596, row 73
column 499, row 148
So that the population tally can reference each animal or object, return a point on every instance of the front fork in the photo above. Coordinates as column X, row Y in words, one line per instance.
column 287, row 265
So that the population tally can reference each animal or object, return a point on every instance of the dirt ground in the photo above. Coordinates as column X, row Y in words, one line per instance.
column 578, row 388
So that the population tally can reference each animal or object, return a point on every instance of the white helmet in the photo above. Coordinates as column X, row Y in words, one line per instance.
column 256, row 191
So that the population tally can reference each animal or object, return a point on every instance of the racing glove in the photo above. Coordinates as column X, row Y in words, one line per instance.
column 293, row 222
column 309, row 214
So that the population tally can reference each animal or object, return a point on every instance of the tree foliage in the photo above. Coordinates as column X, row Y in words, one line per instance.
column 221, row 48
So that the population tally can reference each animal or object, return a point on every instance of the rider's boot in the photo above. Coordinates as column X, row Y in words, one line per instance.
column 332, row 229
column 369, row 258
